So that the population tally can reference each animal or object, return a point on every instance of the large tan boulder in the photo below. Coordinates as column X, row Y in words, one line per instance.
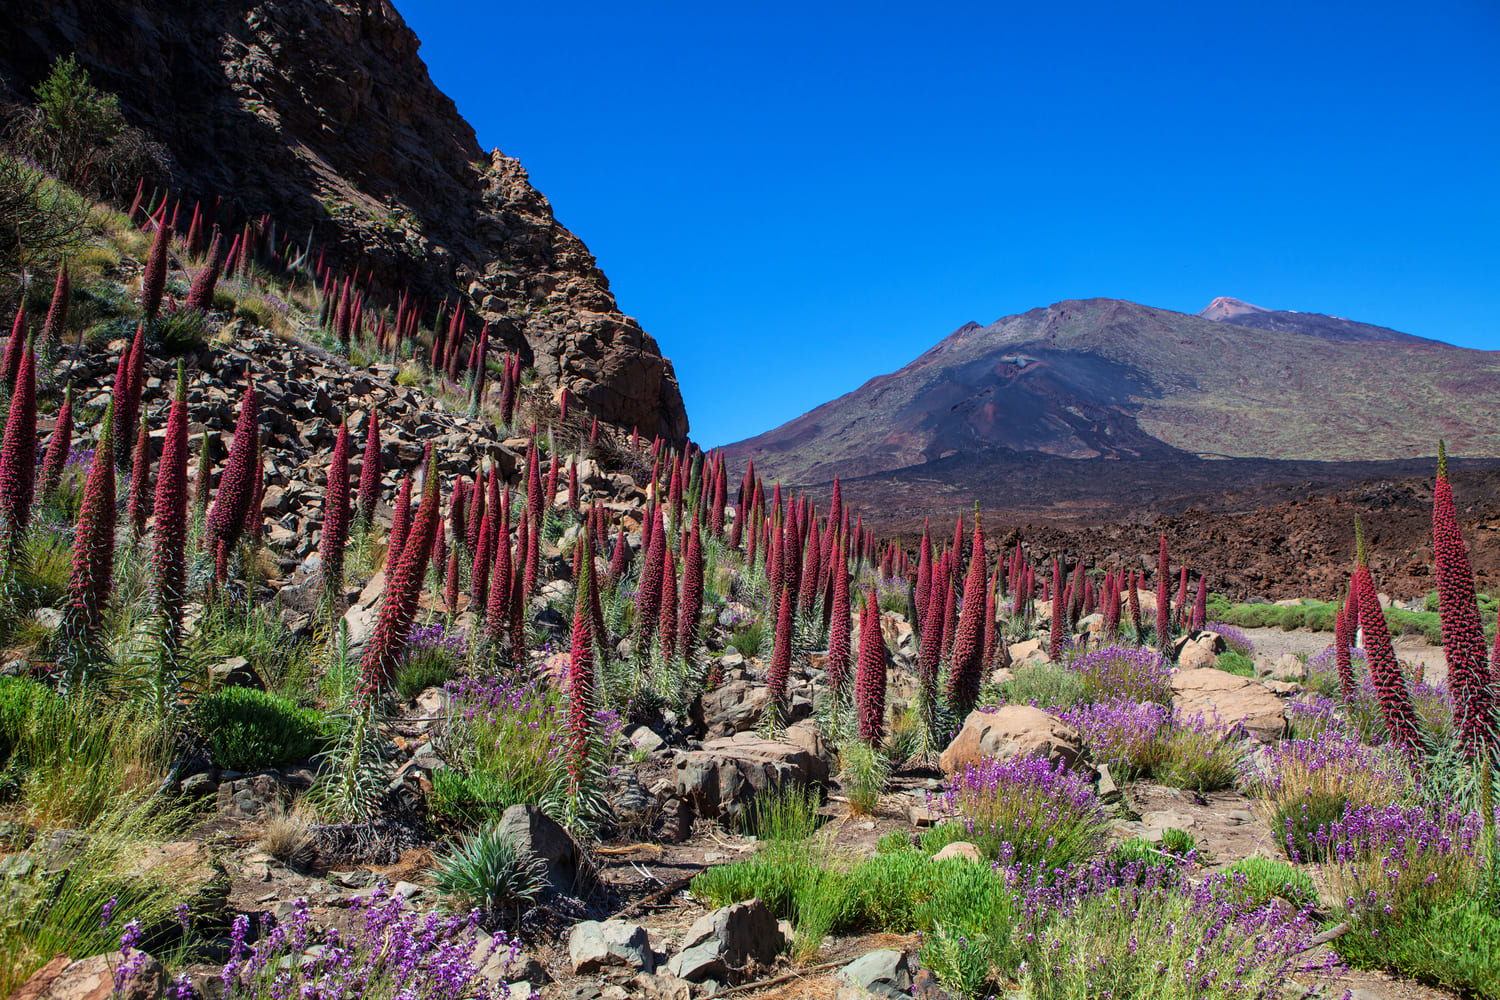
column 725, row 776
column 1012, row 731
column 1229, row 698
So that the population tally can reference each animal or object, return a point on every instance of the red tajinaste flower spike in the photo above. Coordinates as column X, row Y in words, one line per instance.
column 1181, row 603
column 1345, row 623
column 841, row 624
column 498, row 507
column 1059, row 615
column 57, row 313
column 202, row 482
column 497, row 611
column 1200, row 606
column 667, row 620
column 403, row 588
column 140, row 479
column 924, row 574
column 533, row 556
column 1134, row 596
column 93, row 543
column 1390, row 685
column 807, row 594
column 1463, row 633
column 930, row 648
column 580, row 684
column 1111, row 606
column 533, row 480
column 781, row 652
column 135, row 203
column 369, row 473
column 14, row 348
column 474, row 516
column 648, row 589
column 400, row 522
column 169, row 529
column 1163, row 607
column 195, row 231
column 573, row 487
column 619, row 561
column 201, row 294
column 869, row 675
column 226, row 521
column 991, row 627
column 450, row 582
column 457, row 509
column 154, row 280
column 336, row 521
column 517, row 590
column 18, row 456
column 58, row 446
column 965, row 670
column 479, row 585
column 550, row 496
column 692, row 596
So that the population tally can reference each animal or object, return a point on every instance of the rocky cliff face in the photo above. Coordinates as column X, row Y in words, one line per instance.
column 322, row 114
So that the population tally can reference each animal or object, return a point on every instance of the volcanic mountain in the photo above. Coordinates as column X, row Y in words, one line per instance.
column 1109, row 380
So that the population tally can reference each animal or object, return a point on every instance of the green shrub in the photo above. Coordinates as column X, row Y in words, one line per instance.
column 863, row 773
column 1233, row 662
column 1291, row 618
column 1178, row 843
column 1202, row 757
column 748, row 638
column 1295, row 824
column 180, row 332
column 418, row 673
column 789, row 814
column 1046, row 685
column 486, row 869
column 1265, row 879
column 19, row 701
column 249, row 730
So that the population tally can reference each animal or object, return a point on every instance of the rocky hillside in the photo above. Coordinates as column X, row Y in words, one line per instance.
column 322, row 115
column 1108, row 379
column 1228, row 310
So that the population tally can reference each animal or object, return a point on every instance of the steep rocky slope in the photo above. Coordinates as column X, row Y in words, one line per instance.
column 1107, row 379
column 1229, row 310
column 323, row 115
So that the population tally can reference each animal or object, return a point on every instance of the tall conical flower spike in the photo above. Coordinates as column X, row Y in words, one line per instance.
column 18, row 457
column 169, row 527
column 154, row 280
column 226, row 521
column 369, row 473
column 1390, row 685
column 336, row 522
column 400, row 522
column 1463, row 634
column 869, row 677
column 93, row 543
column 58, row 446
column 965, row 672
column 403, row 588
column 140, row 479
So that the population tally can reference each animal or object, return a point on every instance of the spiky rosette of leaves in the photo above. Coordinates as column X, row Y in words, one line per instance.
column 1463, row 635
column 154, row 280
column 369, row 473
column 57, row 313
column 869, row 673
column 335, row 520
column 965, row 669
column 169, row 530
column 692, row 595
column 226, row 522
column 93, row 544
column 403, row 589
column 1390, row 684
column 58, row 446
column 400, row 522
column 1163, row 605
column 18, row 456
column 201, row 295
column 140, row 478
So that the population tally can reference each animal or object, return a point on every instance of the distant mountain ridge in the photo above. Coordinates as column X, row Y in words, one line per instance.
column 1116, row 380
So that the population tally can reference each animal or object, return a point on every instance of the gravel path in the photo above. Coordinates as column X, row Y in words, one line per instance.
column 1272, row 642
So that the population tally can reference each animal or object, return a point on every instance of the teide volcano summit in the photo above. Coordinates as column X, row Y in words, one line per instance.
column 1108, row 379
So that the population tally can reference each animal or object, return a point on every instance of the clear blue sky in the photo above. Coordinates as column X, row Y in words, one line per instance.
column 794, row 197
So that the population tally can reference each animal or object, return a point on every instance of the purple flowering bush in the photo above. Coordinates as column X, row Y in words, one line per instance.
column 434, row 653
column 1132, row 738
column 1418, row 891
column 1133, row 673
column 1023, row 811
column 1233, row 637
column 391, row 952
column 1303, row 785
column 1204, row 755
